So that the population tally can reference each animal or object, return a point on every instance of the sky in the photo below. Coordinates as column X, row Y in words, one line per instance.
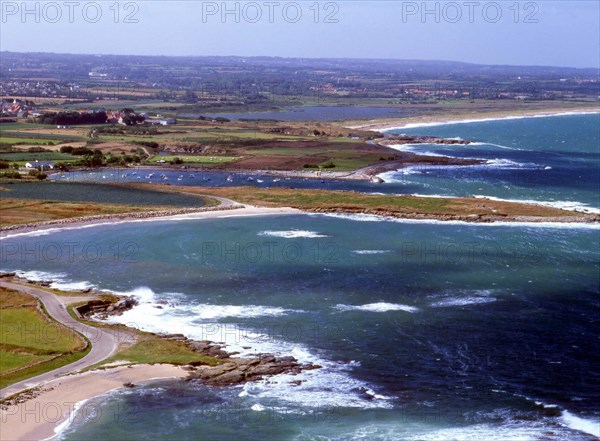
column 543, row 32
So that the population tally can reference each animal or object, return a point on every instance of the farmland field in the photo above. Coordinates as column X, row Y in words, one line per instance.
column 196, row 159
column 45, row 346
column 98, row 193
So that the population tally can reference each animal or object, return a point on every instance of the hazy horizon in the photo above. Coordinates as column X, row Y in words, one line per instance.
column 405, row 60
column 543, row 33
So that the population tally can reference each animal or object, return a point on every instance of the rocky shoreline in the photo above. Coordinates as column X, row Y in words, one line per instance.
column 473, row 218
column 232, row 370
column 414, row 139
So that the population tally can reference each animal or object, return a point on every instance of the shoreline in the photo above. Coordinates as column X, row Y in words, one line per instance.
column 41, row 228
column 172, row 215
column 63, row 396
column 466, row 118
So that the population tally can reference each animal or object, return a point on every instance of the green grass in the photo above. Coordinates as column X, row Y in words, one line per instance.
column 22, row 374
column 188, row 159
column 151, row 349
column 40, row 156
column 350, row 164
column 23, row 140
column 12, row 360
column 42, row 137
column 25, row 328
column 30, row 342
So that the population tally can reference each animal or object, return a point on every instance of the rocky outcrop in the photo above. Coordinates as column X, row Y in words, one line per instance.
column 236, row 370
column 241, row 370
column 413, row 139
column 101, row 309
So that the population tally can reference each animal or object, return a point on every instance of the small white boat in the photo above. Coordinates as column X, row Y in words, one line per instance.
column 229, row 178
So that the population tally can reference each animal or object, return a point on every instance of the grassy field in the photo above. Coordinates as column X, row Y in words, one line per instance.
column 202, row 160
column 100, row 194
column 411, row 206
column 151, row 349
column 30, row 342
column 40, row 156
column 250, row 144
column 24, row 140
column 25, row 211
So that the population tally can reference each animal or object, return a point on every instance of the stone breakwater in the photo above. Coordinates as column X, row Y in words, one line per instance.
column 120, row 216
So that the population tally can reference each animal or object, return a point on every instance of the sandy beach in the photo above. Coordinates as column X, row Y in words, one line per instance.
column 73, row 223
column 399, row 123
column 38, row 418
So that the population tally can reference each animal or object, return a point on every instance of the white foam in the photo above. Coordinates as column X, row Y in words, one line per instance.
column 71, row 286
column 500, row 146
column 332, row 385
column 369, row 252
column 149, row 306
column 35, row 233
column 481, row 432
column 412, row 149
column 63, row 426
column 376, row 218
column 292, row 234
column 563, row 205
column 376, row 307
column 581, row 424
column 462, row 301
column 59, row 280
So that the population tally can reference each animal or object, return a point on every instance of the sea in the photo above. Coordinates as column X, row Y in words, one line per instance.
column 423, row 330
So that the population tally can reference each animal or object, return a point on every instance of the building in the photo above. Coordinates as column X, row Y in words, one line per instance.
column 162, row 122
column 41, row 165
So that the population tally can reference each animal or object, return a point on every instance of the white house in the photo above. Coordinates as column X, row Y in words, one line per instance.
column 42, row 165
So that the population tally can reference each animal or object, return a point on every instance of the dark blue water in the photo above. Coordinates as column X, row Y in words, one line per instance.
column 550, row 159
column 424, row 331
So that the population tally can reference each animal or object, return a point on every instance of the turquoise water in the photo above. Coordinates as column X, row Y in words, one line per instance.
column 424, row 331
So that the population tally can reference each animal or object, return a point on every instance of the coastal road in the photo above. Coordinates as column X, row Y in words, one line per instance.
column 104, row 341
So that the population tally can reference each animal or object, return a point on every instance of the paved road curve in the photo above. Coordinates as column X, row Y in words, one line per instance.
column 104, row 341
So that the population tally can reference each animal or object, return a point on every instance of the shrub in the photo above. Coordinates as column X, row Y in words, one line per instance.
column 10, row 175
column 4, row 164
column 81, row 151
column 66, row 149
column 328, row 165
